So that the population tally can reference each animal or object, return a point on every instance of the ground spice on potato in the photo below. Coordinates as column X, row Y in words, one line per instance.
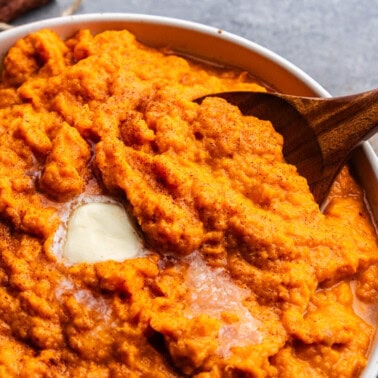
column 211, row 195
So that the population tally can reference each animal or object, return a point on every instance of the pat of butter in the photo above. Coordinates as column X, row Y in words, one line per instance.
column 100, row 232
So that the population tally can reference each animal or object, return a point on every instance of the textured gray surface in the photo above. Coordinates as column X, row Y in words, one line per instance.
column 334, row 41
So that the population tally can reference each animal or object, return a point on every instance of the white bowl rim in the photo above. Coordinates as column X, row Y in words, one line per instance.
column 20, row 31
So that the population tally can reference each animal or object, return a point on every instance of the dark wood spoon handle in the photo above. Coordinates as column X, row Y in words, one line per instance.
column 339, row 125
column 319, row 133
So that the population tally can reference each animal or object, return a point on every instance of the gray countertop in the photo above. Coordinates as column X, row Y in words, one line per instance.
column 334, row 41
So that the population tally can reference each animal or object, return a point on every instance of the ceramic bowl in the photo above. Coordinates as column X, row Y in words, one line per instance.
column 218, row 46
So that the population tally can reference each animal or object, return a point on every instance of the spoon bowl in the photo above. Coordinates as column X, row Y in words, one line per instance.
column 319, row 133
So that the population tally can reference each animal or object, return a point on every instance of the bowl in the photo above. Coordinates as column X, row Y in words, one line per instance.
column 194, row 39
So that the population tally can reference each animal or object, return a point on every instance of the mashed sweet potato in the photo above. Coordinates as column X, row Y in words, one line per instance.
column 244, row 276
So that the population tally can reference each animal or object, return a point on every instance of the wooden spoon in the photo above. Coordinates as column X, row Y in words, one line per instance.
column 319, row 133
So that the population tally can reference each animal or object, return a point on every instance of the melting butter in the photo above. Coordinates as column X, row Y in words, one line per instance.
column 99, row 232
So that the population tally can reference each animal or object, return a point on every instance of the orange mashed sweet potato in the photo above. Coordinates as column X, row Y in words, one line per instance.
column 243, row 275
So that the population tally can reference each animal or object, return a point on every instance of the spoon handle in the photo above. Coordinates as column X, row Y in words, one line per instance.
column 339, row 123
column 319, row 133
